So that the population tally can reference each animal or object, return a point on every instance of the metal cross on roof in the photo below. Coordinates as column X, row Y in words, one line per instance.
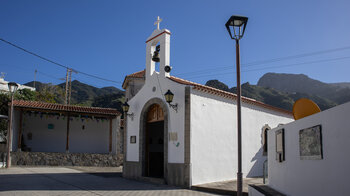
column 157, row 22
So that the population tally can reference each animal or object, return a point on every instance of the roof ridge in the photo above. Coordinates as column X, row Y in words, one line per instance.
column 213, row 88
column 216, row 91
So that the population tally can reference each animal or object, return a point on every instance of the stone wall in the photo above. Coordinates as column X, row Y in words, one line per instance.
column 66, row 159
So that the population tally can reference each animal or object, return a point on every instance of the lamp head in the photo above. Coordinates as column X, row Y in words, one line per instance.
column 125, row 107
column 236, row 24
column 169, row 96
column 12, row 87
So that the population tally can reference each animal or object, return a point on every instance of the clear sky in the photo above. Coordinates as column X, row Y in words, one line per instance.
column 107, row 38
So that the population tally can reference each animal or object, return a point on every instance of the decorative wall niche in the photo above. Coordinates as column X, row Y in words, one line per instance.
column 280, row 150
column 133, row 139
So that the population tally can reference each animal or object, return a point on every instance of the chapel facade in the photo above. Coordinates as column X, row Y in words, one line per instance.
column 191, row 140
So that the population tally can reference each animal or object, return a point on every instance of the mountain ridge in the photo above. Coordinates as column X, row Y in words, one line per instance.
column 282, row 90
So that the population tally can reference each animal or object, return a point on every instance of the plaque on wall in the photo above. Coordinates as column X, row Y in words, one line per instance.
column 310, row 143
column 173, row 136
column 133, row 139
column 280, row 151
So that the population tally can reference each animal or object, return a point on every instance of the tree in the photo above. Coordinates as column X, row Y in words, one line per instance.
column 25, row 94
column 50, row 94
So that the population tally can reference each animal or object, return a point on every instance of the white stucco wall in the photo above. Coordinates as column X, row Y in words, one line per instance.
column 134, row 85
column 93, row 139
column 328, row 176
column 214, row 137
column 43, row 139
column 175, row 119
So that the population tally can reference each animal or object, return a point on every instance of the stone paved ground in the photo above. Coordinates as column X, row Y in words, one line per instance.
column 69, row 181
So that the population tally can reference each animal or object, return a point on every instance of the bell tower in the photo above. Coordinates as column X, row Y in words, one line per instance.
column 161, row 36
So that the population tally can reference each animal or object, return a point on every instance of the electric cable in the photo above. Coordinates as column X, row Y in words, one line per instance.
column 55, row 63
column 278, row 66
column 261, row 62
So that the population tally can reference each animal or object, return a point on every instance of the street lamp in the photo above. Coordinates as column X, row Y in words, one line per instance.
column 237, row 24
column 12, row 89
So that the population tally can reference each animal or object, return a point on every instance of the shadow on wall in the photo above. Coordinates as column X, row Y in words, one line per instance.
column 257, row 168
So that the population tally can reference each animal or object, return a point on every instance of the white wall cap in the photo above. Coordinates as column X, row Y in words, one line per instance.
column 157, row 32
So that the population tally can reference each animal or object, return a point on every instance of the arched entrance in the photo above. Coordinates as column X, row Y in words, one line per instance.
column 154, row 142
column 147, row 121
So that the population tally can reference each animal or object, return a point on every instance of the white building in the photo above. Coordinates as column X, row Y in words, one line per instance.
column 66, row 129
column 4, row 86
column 194, row 142
column 315, row 157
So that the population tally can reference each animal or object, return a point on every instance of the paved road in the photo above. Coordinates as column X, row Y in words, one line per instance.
column 68, row 181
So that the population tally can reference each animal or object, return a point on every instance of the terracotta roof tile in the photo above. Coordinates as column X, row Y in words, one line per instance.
column 139, row 74
column 65, row 108
column 215, row 91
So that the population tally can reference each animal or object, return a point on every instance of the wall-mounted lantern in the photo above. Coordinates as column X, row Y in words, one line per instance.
column 169, row 98
column 126, row 107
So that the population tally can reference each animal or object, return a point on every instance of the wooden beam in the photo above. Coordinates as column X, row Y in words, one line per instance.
column 110, row 134
column 20, row 130
column 67, row 142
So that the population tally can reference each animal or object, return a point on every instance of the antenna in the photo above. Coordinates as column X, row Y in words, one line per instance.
column 304, row 107
column 2, row 75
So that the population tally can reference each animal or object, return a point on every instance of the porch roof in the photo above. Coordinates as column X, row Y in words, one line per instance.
column 47, row 107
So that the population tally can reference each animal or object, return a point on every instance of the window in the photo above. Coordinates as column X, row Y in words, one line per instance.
column 264, row 138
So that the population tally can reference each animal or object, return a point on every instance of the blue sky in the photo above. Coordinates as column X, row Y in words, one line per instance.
column 107, row 38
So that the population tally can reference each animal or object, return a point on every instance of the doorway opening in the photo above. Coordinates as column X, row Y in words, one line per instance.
column 154, row 152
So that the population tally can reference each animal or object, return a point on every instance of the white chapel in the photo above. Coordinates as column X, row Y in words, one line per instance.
column 192, row 139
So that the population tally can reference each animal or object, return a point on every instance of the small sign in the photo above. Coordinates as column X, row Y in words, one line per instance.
column 133, row 139
column 173, row 136
column 50, row 126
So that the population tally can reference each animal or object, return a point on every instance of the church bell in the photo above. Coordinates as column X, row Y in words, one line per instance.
column 155, row 57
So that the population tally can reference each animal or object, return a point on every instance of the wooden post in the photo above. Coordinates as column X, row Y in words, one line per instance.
column 110, row 135
column 20, row 131
column 67, row 142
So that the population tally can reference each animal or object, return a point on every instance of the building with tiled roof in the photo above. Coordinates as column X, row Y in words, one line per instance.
column 40, row 129
column 191, row 139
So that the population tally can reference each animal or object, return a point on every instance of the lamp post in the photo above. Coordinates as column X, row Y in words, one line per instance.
column 237, row 24
column 12, row 88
